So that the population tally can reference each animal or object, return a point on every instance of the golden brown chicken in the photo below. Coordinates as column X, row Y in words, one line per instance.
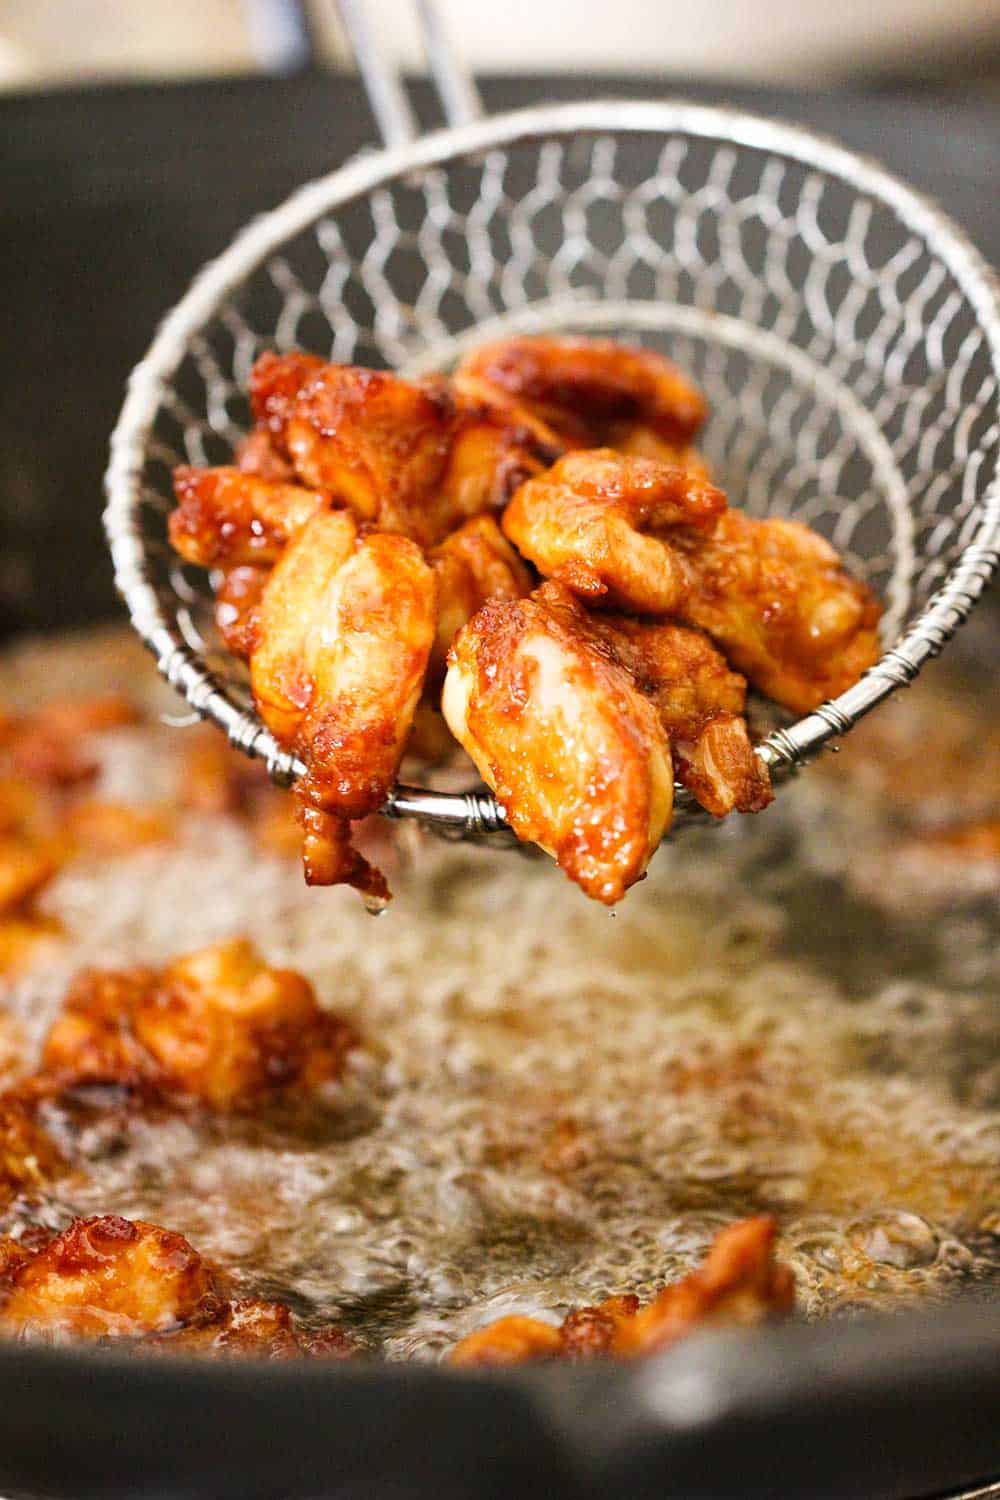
column 777, row 599
column 740, row 1282
column 413, row 457
column 344, row 632
column 553, row 704
column 575, row 753
column 602, row 524
column 771, row 593
column 218, row 1026
column 225, row 517
column 50, row 746
column 110, row 1278
column 29, row 1156
column 237, row 607
column 592, row 393
column 473, row 565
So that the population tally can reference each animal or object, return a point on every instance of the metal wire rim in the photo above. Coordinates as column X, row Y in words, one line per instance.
column 476, row 814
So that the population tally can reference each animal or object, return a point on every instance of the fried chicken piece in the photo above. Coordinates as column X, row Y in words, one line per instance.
column 226, row 518
column 218, row 1026
column 576, row 754
column 633, row 440
column 700, row 703
column 777, row 599
column 603, row 525
column 591, row 391
column 772, row 594
column 102, row 828
column 740, row 1282
column 237, row 608
column 26, row 867
column 253, row 1328
column 257, row 454
column 346, row 625
column 413, row 457
column 49, row 746
column 28, row 1155
column 107, row 1277
column 473, row 565
column 21, row 940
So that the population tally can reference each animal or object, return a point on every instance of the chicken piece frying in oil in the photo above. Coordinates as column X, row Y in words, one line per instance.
column 593, row 393
column 601, row 524
column 741, row 1282
column 113, row 1279
column 345, row 627
column 227, row 518
column 49, row 747
column 413, row 457
column 28, row 1155
column 771, row 593
column 218, row 1026
column 574, row 751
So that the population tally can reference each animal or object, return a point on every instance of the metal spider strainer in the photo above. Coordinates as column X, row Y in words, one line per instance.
column 845, row 332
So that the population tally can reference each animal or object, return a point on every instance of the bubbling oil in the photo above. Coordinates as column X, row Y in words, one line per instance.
column 553, row 1106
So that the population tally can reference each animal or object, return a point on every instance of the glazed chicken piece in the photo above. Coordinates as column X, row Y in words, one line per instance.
column 28, row 1155
column 414, row 458
column 777, row 599
column 345, row 628
column 257, row 454
column 574, row 751
column 218, row 1026
column 740, row 1282
column 110, row 1278
column 26, row 867
column 237, row 608
column 700, row 703
column 771, row 593
column 602, row 525
column 592, row 393
column 107, row 1277
column 473, row 565
column 226, row 518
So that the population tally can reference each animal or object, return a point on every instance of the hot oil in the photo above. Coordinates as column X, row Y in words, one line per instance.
column 553, row 1106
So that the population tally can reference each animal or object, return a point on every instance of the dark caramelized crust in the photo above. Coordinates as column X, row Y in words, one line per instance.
column 473, row 565
column 218, row 1026
column 111, row 1278
column 586, row 389
column 412, row 457
column 740, row 1282
column 225, row 517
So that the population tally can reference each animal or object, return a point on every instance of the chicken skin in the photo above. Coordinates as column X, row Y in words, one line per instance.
column 740, row 1283
column 772, row 594
column 225, row 517
column 592, row 393
column 601, row 524
column 573, row 750
column 218, row 1027
column 577, row 721
column 415, row 458
column 345, row 628
column 473, row 565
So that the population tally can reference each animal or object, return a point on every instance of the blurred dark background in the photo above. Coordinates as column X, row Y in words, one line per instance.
column 115, row 192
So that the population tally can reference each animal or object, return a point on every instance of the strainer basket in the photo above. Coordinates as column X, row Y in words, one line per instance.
column 845, row 333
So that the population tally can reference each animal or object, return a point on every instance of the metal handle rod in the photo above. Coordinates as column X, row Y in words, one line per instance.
column 458, row 93
column 395, row 119
column 392, row 110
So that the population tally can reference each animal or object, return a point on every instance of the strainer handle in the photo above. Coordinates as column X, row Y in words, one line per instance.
column 388, row 98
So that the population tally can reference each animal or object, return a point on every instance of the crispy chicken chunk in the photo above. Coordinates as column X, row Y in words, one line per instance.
column 777, row 599
column 603, row 524
column 473, row 565
column 226, row 518
column 237, row 608
column 345, row 628
column 413, row 457
column 50, row 747
column 575, row 752
column 740, row 1282
column 592, row 392
column 218, row 1026
column 28, row 1155
column 110, row 1278
column 772, row 594
column 107, row 1277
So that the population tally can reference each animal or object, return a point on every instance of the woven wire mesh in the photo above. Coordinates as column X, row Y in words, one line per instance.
column 851, row 379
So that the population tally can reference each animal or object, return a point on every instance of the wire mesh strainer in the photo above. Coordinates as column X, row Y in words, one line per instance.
column 845, row 333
